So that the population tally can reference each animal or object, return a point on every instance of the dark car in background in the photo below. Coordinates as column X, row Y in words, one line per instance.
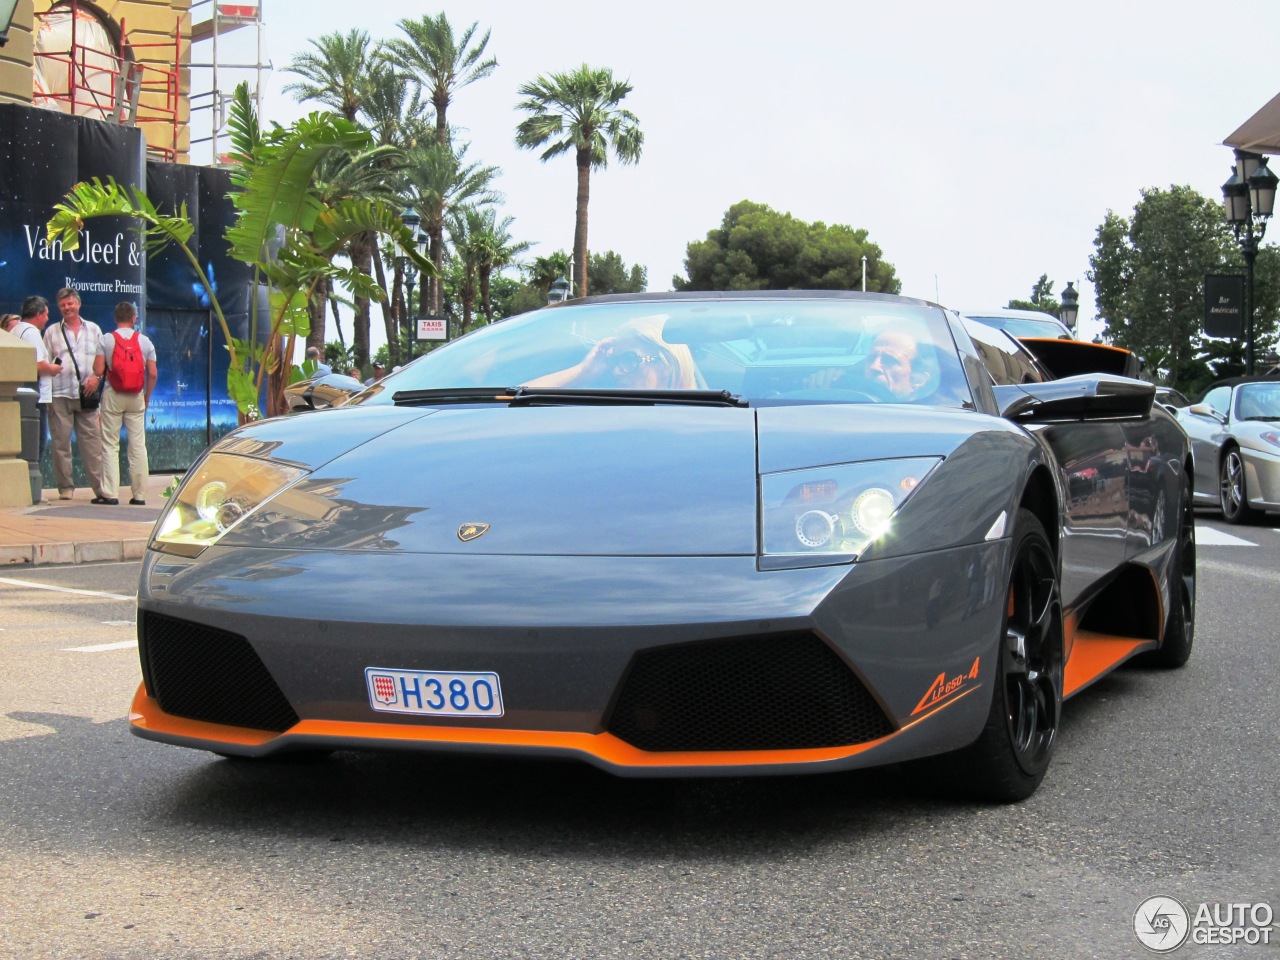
column 1234, row 427
column 688, row 534
column 1022, row 323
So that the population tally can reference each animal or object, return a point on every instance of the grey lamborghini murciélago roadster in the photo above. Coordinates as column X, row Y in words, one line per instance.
column 682, row 534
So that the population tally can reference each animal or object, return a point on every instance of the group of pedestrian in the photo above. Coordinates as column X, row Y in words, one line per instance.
column 90, row 384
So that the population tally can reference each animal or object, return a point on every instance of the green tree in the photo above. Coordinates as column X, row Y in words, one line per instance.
column 336, row 74
column 544, row 271
column 1148, row 272
column 439, row 179
column 442, row 63
column 580, row 111
column 512, row 297
column 282, row 228
column 610, row 275
column 1042, row 298
column 758, row 248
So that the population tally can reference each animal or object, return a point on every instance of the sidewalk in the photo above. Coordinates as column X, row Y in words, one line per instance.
column 77, row 531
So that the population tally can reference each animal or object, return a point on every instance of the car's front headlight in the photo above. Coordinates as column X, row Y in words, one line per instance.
column 221, row 492
column 826, row 515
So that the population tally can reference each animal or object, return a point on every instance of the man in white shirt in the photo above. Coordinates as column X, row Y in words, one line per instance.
column 30, row 329
column 74, row 343
column 127, row 359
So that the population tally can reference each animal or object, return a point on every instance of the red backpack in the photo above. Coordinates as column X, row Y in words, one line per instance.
column 127, row 373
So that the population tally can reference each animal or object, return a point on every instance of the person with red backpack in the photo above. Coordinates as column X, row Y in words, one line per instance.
column 128, row 359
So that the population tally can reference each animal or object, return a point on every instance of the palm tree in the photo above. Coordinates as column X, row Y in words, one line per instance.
column 346, row 175
column 495, row 249
column 442, row 63
column 440, row 178
column 397, row 116
column 544, row 271
column 465, row 226
column 335, row 74
column 580, row 111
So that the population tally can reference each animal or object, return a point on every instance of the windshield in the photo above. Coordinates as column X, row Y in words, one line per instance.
column 1025, row 326
column 1258, row 401
column 759, row 350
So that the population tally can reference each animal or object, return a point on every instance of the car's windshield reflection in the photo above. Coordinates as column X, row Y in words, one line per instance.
column 780, row 351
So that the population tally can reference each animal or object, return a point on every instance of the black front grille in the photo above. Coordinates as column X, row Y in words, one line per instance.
column 203, row 673
column 785, row 692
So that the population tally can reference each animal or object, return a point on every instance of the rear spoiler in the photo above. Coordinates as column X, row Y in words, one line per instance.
column 1072, row 358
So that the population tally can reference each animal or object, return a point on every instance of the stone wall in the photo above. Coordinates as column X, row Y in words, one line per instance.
column 17, row 367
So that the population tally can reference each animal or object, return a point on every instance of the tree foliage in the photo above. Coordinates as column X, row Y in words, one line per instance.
column 1042, row 298
column 610, row 275
column 283, row 229
column 758, row 248
column 1148, row 272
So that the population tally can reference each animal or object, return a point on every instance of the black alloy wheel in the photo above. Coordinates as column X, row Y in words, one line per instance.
column 1233, row 493
column 1009, row 759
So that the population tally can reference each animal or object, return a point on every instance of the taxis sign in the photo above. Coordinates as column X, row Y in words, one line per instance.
column 433, row 328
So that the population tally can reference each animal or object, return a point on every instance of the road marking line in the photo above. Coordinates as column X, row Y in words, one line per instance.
column 101, row 647
column 83, row 593
column 119, row 623
column 1210, row 537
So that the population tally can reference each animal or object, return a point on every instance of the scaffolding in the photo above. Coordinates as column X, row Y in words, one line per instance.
column 223, row 19
column 88, row 72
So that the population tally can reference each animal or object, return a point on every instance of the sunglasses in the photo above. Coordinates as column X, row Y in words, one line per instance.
column 629, row 361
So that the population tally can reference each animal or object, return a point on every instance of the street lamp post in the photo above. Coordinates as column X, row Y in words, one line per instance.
column 7, row 9
column 1250, row 197
column 559, row 292
column 1070, row 308
column 411, row 220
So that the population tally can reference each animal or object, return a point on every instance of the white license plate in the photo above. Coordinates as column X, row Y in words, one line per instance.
column 433, row 693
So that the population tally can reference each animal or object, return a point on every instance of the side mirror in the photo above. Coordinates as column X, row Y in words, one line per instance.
column 1205, row 410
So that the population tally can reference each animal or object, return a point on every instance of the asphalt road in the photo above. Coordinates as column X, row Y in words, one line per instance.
column 113, row 847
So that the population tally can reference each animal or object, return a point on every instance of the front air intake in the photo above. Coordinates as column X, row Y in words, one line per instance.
column 787, row 692
column 203, row 673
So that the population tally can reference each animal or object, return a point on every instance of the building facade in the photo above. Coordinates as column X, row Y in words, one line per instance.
column 120, row 61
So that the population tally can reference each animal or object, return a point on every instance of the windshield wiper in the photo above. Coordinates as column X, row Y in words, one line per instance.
column 534, row 396
column 1274, row 416
column 413, row 398
column 544, row 396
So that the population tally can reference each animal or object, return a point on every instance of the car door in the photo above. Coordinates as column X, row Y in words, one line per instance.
column 1094, row 464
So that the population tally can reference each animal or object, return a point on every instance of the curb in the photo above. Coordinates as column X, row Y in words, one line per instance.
column 92, row 551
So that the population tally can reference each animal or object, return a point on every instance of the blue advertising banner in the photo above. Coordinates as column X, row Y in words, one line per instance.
column 47, row 154
column 190, row 406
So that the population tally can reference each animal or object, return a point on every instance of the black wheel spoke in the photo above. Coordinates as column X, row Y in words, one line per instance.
column 1032, row 656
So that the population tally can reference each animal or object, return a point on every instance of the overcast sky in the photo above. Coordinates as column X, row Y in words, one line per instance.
column 979, row 144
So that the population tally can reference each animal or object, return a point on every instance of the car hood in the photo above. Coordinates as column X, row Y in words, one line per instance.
column 558, row 480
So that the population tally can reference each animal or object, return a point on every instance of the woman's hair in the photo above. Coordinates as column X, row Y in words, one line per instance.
column 8, row 320
column 649, row 329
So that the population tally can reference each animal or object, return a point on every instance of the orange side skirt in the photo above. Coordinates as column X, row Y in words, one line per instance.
column 1096, row 654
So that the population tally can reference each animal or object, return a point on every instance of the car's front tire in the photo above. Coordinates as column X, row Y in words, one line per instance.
column 1009, row 759
column 1233, row 494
